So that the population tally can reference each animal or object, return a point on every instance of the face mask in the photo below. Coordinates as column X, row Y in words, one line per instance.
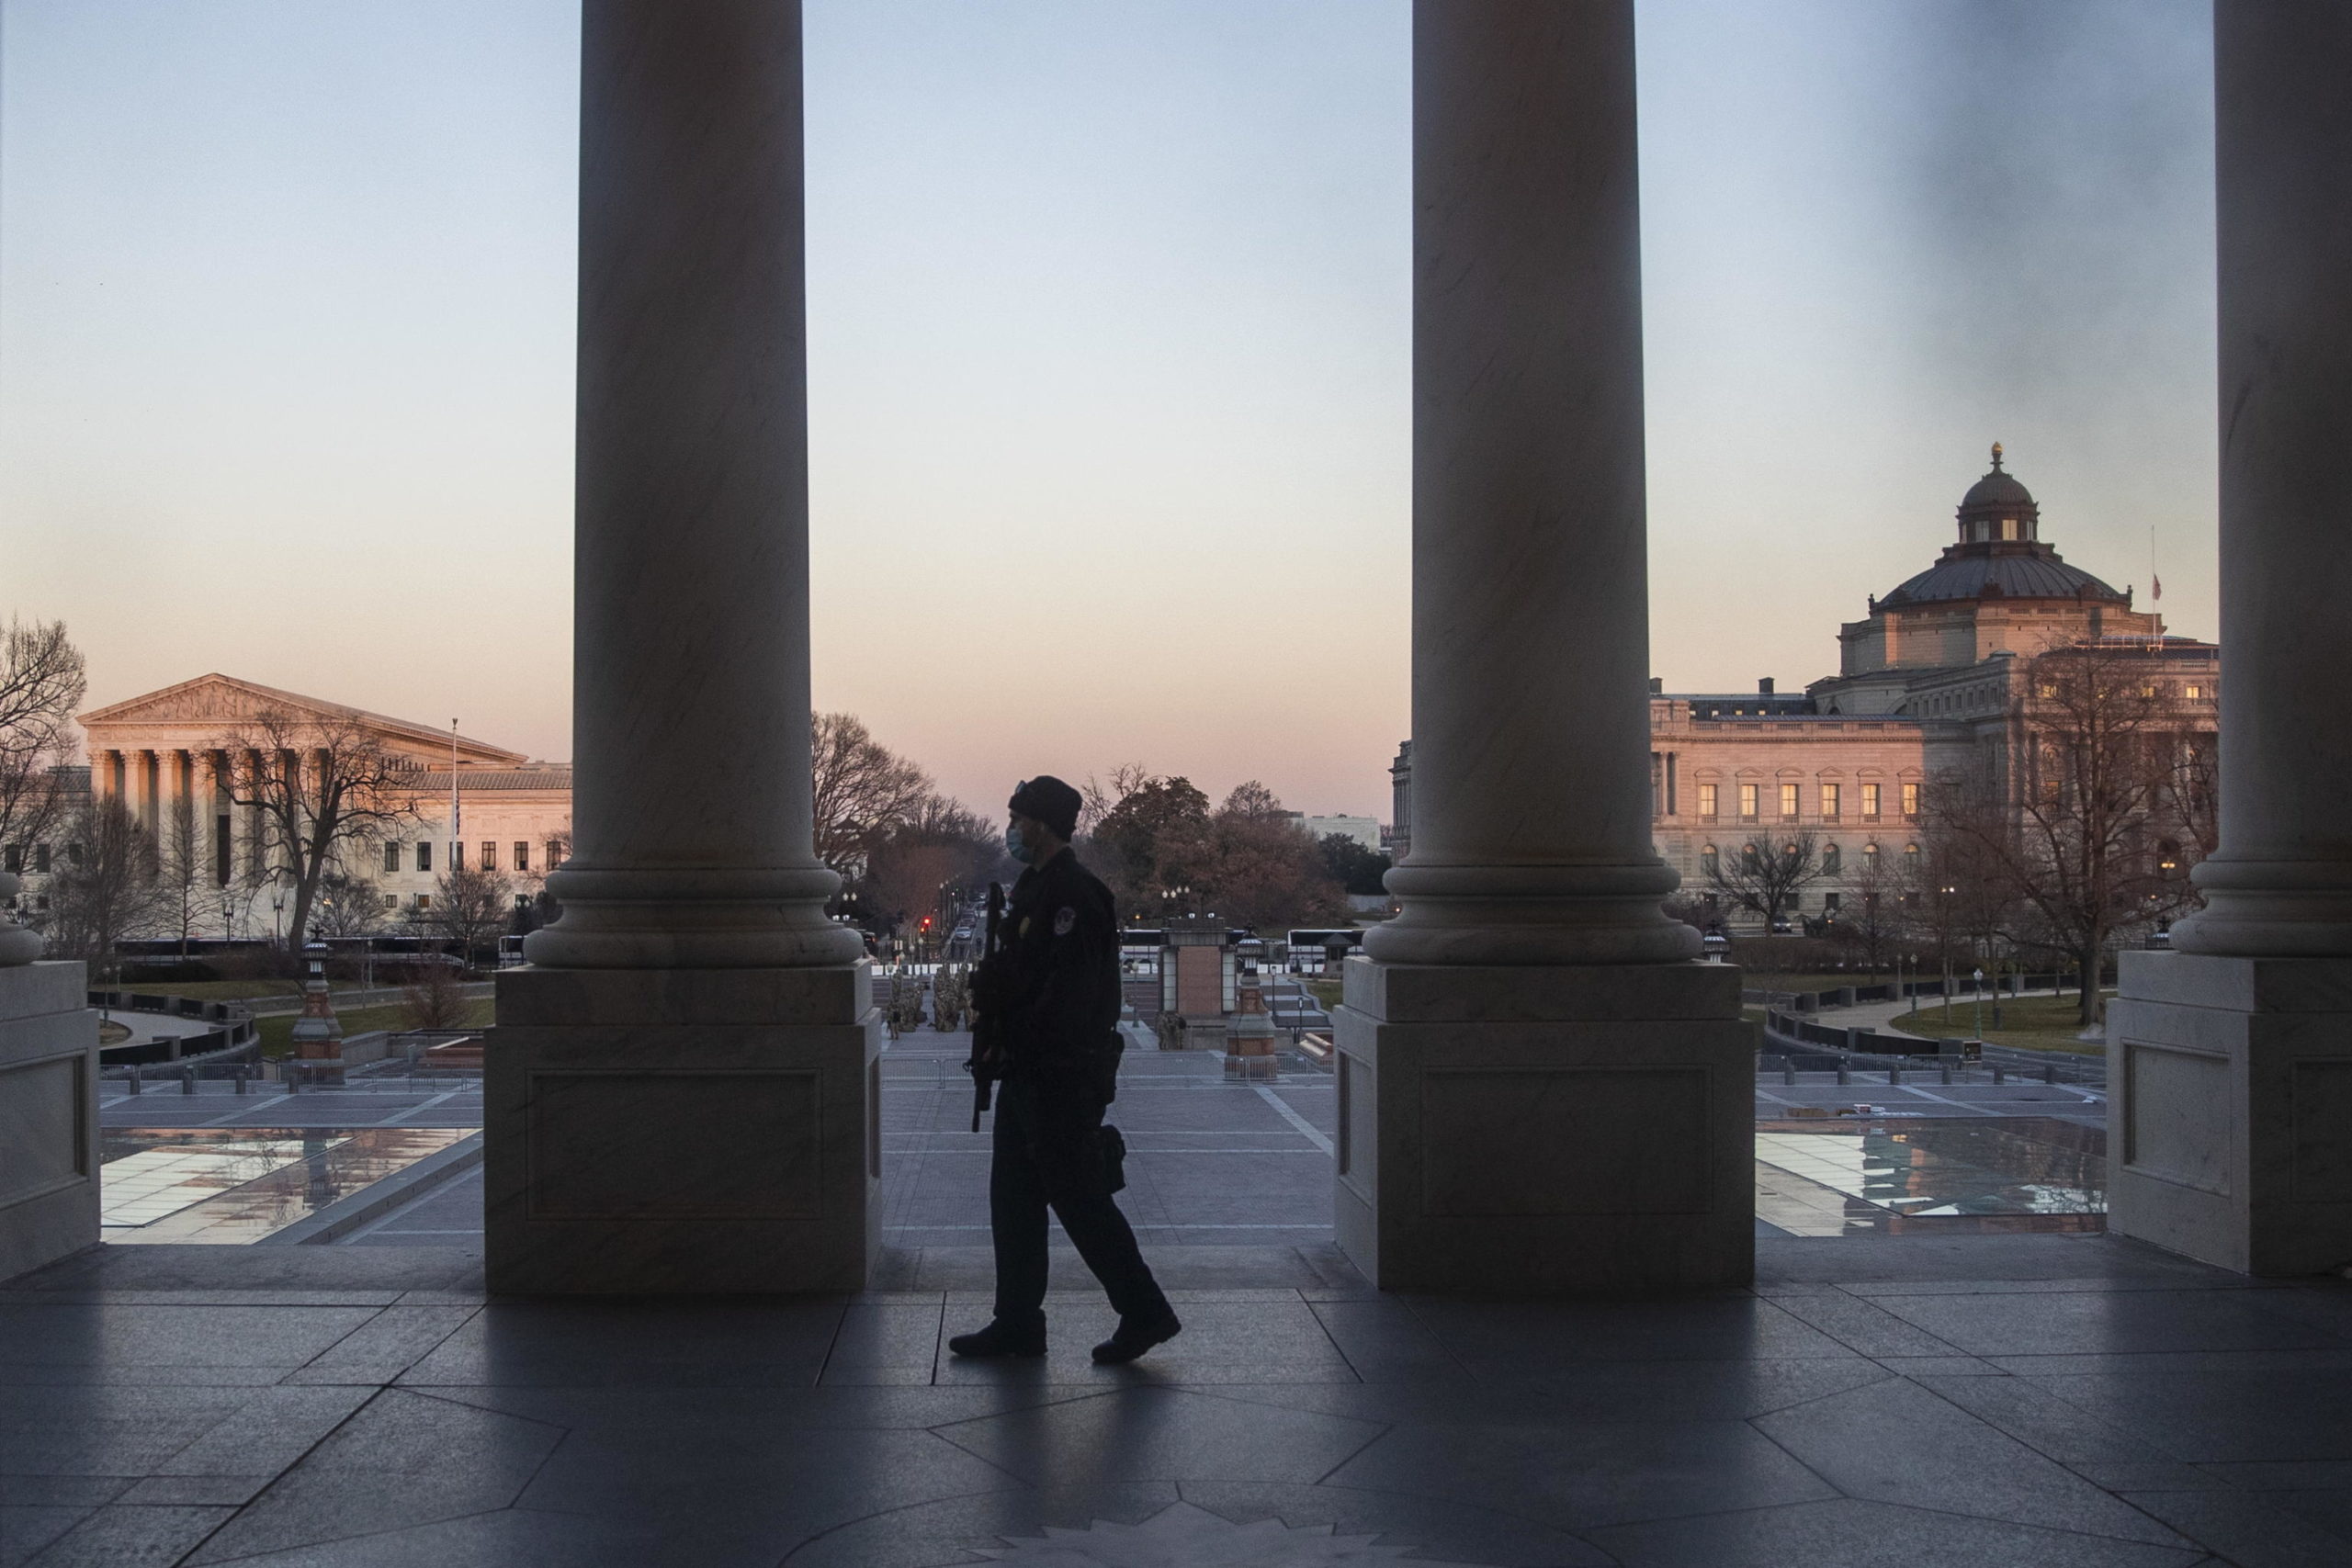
column 1018, row 847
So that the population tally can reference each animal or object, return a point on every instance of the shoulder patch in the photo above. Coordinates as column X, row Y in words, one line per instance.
column 1064, row 920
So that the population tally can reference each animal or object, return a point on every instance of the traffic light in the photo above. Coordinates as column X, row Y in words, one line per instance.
column 926, row 922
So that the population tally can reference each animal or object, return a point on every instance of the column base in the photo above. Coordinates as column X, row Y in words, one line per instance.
column 1545, row 1131
column 49, row 1116
column 2230, row 1109
column 683, row 1132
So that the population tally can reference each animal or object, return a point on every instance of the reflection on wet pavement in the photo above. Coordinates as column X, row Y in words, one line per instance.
column 1922, row 1177
column 232, row 1185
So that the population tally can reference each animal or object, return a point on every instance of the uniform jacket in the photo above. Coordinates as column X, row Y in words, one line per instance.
column 1059, row 944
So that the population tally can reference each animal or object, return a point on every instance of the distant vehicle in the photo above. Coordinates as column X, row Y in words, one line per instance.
column 1312, row 951
column 1783, row 926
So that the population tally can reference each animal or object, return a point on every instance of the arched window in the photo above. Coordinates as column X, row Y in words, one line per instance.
column 1747, row 855
column 1870, row 857
column 1832, row 861
column 1710, row 860
column 1911, row 855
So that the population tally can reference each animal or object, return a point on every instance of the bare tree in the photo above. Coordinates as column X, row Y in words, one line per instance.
column 471, row 908
column 1871, row 915
column 324, row 786
column 860, row 789
column 1103, row 796
column 42, row 682
column 1766, row 874
column 182, row 867
column 347, row 905
column 106, row 888
column 2077, row 835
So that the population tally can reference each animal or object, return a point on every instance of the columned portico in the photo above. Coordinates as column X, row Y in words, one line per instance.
column 680, row 1090
column 1539, row 1089
column 2231, row 1057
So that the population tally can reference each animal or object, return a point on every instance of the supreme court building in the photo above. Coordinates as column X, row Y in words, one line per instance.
column 167, row 755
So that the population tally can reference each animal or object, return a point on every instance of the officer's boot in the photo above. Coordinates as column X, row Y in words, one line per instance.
column 1001, row 1338
column 1135, row 1336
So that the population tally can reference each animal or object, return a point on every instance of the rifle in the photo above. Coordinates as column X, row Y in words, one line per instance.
column 987, row 1061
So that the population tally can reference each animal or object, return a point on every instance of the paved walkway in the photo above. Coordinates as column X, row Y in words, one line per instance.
column 2057, row 1401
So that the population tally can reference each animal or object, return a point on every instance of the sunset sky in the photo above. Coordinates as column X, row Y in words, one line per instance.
column 1109, row 323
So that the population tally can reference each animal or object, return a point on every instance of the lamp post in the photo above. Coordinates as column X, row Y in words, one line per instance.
column 1979, row 997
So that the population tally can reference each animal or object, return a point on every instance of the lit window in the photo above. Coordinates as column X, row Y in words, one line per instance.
column 1706, row 800
column 424, row 857
column 1829, row 801
column 1870, row 857
column 522, row 855
column 490, row 854
column 393, row 856
column 1747, row 801
column 1788, row 803
column 1869, row 803
column 2192, row 693
column 1910, row 800
column 2009, row 527
column 1911, row 853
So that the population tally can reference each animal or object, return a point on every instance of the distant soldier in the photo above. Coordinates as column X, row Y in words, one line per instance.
column 1047, row 997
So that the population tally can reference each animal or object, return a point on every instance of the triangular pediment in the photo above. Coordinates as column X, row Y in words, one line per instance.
column 218, row 702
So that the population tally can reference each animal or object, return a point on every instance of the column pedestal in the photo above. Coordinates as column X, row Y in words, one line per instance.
column 1545, row 1130
column 49, row 1116
column 683, row 1130
column 2230, row 1109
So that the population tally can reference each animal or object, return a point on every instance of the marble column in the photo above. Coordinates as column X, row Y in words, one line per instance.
column 1539, row 1091
column 144, row 773
column 680, row 1089
column 2231, row 1116
column 102, row 775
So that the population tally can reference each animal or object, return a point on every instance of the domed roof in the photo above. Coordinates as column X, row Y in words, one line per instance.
column 2021, row 576
column 1997, row 488
column 1999, row 554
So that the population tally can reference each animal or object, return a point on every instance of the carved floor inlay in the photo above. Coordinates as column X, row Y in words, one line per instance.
column 1183, row 1535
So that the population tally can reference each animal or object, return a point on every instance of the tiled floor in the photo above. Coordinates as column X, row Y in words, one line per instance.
column 1893, row 1391
column 2019, row 1401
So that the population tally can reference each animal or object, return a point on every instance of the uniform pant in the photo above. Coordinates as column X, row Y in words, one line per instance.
column 1050, row 1153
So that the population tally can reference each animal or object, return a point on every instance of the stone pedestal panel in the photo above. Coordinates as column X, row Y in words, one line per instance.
column 2230, row 1122
column 49, row 1116
column 683, row 1132
column 1545, row 1130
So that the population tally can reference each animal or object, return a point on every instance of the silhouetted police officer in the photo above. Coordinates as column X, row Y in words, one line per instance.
column 1052, row 978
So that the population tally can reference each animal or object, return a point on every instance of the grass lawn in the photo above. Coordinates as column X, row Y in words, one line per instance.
column 2033, row 1024
column 278, row 1034
column 1325, row 991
